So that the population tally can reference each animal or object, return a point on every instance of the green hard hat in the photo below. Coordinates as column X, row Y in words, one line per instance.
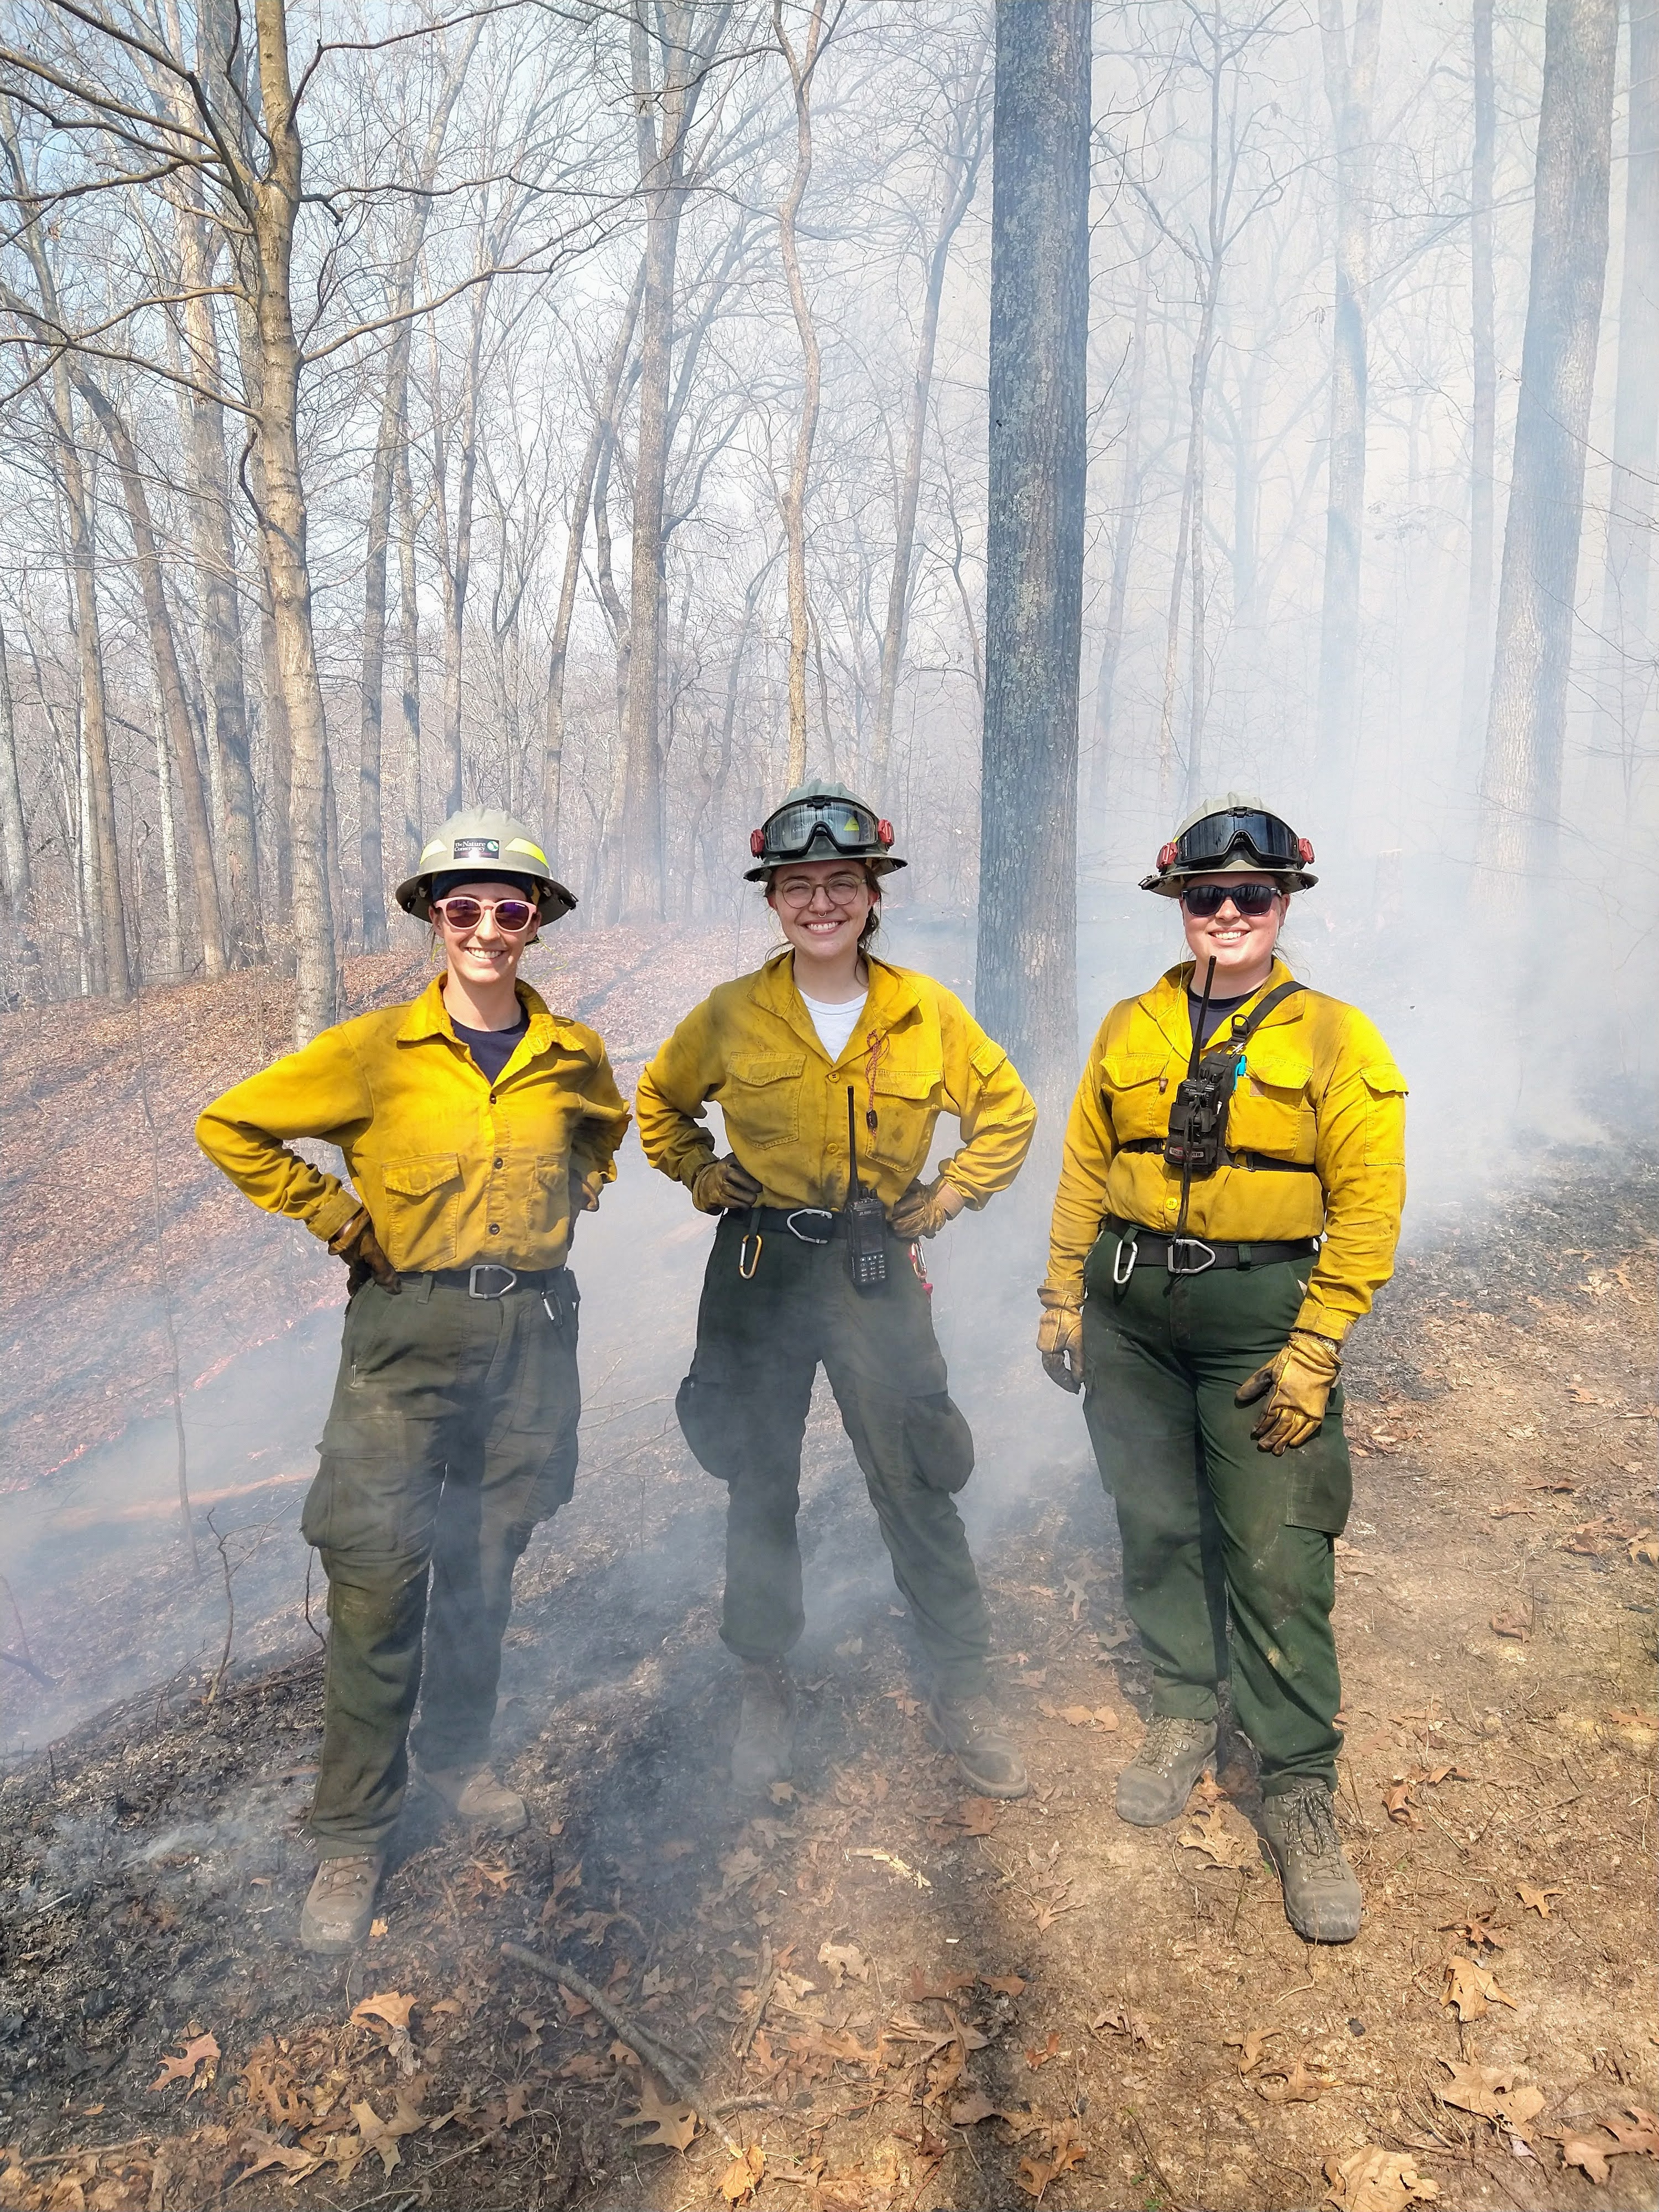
column 483, row 842
column 820, row 821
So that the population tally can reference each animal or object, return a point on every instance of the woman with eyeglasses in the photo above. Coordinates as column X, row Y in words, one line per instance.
column 1228, row 1203
column 475, row 1124
column 831, row 1067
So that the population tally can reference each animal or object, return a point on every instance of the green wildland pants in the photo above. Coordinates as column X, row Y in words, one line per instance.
column 743, row 1409
column 453, row 1433
column 1229, row 1565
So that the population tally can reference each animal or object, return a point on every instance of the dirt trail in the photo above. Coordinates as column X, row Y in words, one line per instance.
column 959, row 2003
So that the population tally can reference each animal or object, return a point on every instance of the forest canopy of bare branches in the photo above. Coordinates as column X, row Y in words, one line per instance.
column 582, row 408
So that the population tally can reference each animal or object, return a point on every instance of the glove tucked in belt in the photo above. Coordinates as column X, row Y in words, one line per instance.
column 723, row 1187
column 1301, row 1378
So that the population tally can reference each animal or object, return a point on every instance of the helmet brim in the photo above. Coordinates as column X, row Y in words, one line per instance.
column 1172, row 881
column 880, row 863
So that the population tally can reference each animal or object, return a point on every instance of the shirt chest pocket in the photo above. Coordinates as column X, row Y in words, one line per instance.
column 423, row 1209
column 907, row 1104
column 760, row 1099
column 1130, row 1090
column 1270, row 1112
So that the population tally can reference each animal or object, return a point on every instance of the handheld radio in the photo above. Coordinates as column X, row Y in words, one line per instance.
column 1198, row 1119
column 867, row 1220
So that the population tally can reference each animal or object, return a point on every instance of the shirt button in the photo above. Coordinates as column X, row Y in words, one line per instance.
column 498, row 1163
column 494, row 1228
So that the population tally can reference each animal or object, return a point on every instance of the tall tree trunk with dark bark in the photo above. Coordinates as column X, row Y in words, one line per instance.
column 1350, row 76
column 1628, row 682
column 1483, row 412
column 1026, row 994
column 1526, row 723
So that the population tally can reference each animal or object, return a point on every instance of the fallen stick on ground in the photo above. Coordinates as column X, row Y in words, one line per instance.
column 769, row 1982
column 656, row 2055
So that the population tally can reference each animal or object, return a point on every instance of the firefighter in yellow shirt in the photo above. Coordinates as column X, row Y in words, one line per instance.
column 816, row 1258
column 1228, row 1203
column 475, row 1123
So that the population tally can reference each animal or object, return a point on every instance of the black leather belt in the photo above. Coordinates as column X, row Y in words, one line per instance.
column 489, row 1279
column 1194, row 1255
column 1251, row 1163
column 807, row 1224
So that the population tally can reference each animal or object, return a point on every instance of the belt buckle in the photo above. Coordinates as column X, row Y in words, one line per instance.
column 822, row 1213
column 490, row 1268
column 1190, row 1244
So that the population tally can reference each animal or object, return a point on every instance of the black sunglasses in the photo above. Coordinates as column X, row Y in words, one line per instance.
column 1206, row 899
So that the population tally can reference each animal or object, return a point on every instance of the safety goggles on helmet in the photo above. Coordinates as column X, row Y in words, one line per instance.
column 1213, row 840
column 842, row 827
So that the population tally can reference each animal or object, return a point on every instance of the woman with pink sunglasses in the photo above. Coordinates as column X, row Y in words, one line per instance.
column 475, row 1124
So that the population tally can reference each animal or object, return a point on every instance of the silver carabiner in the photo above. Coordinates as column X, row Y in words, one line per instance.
column 1131, row 1245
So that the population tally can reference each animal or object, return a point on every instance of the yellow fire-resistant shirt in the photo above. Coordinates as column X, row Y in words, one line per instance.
column 452, row 1168
column 1318, row 1086
column 914, row 1053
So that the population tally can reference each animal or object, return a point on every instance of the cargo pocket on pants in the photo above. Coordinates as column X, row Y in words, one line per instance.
column 1319, row 1485
column 705, row 1416
column 940, row 1441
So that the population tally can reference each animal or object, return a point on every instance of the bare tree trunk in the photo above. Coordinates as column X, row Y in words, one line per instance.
column 1627, row 690
column 793, row 503
column 173, row 944
column 218, row 598
column 1026, row 994
column 409, row 617
column 1483, row 414
column 662, row 145
column 582, row 497
column 169, row 684
column 962, row 166
column 14, row 851
column 283, row 532
column 113, row 972
column 458, row 563
column 277, row 876
column 1526, row 725
column 1350, row 76
column 394, row 427
column 1129, row 518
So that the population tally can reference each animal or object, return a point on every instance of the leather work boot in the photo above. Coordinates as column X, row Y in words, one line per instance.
column 764, row 1752
column 969, row 1728
column 1321, row 1894
column 1154, row 1787
column 473, row 1794
column 340, row 1909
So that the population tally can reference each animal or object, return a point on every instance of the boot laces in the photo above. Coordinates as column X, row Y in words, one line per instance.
column 1310, row 1827
column 344, row 1873
column 1169, row 1738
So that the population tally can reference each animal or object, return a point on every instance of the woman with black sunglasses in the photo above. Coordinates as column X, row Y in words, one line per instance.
column 1228, row 1203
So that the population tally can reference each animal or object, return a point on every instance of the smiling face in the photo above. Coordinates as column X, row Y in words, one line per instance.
column 484, row 952
column 1240, row 944
column 821, row 907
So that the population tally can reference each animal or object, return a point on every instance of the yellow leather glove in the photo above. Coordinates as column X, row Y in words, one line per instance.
column 1059, row 1339
column 585, row 1188
column 722, row 1186
column 927, row 1208
column 1301, row 1378
column 360, row 1248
